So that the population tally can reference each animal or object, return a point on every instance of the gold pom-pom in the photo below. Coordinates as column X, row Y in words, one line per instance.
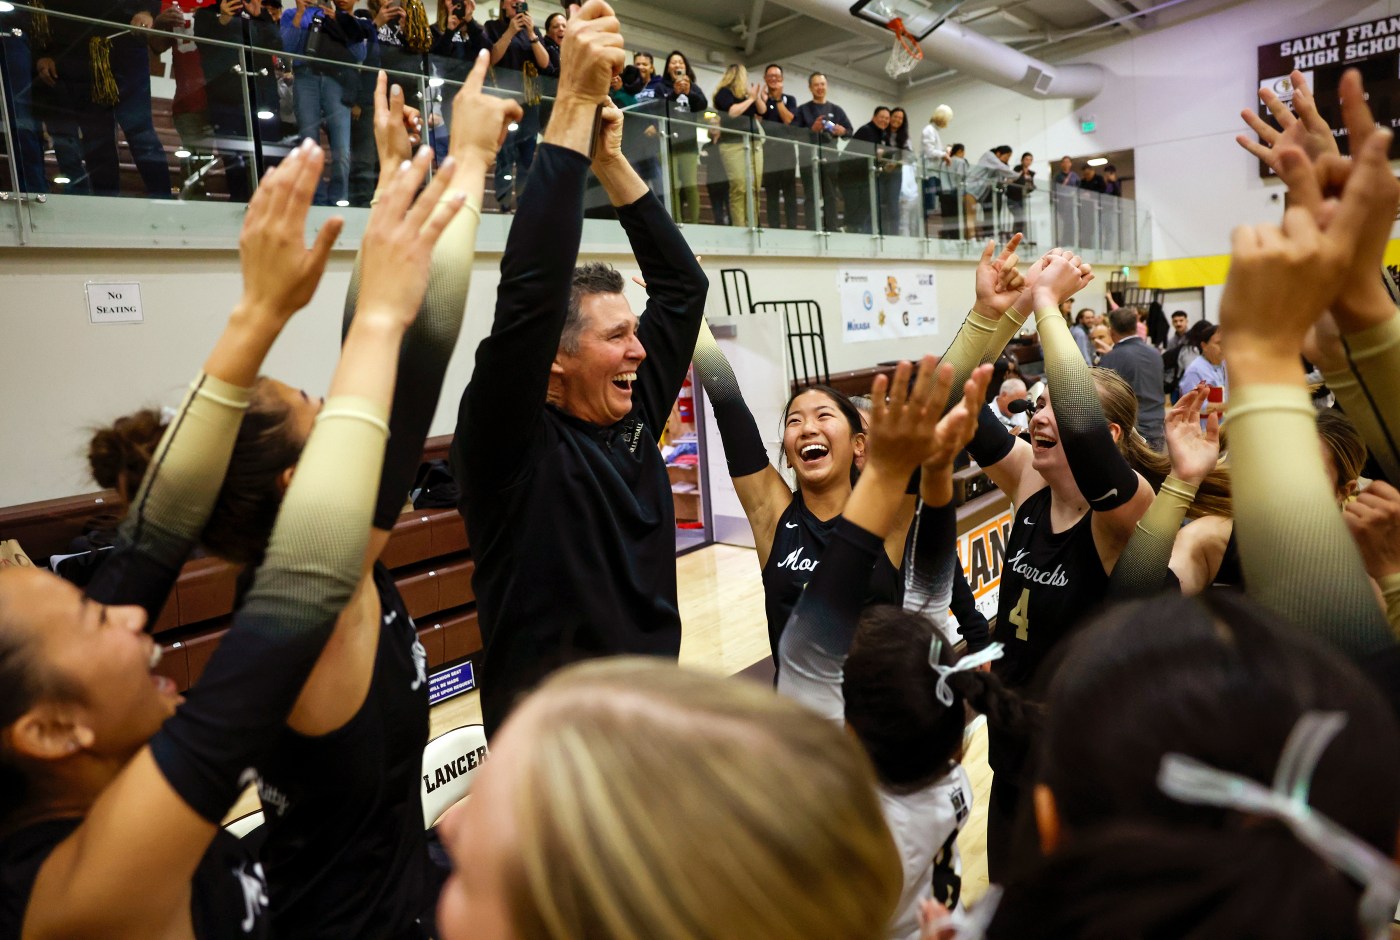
column 104, row 84
column 39, row 25
column 416, row 35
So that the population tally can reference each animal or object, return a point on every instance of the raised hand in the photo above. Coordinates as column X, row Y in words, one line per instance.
column 904, row 426
column 592, row 52
column 1059, row 274
column 956, row 429
column 397, row 127
column 1304, row 129
column 1374, row 520
column 280, row 273
column 994, row 294
column 480, row 121
column 609, row 149
column 1194, row 450
column 396, row 251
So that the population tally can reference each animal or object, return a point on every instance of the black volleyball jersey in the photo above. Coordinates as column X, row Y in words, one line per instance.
column 798, row 546
column 346, row 854
column 228, row 894
column 1049, row 582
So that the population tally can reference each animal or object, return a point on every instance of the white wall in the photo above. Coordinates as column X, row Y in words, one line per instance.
column 61, row 375
column 1174, row 97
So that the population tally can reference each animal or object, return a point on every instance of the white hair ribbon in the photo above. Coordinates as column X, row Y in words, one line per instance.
column 966, row 663
column 968, row 924
column 1190, row 781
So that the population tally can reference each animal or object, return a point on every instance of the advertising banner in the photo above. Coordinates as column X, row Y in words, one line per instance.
column 889, row 302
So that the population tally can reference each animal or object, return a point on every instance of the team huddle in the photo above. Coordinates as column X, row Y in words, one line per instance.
column 1182, row 745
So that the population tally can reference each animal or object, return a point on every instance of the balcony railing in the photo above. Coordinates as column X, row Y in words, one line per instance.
column 182, row 171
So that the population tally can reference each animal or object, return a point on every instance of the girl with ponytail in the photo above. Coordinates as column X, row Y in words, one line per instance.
column 886, row 673
column 1138, row 844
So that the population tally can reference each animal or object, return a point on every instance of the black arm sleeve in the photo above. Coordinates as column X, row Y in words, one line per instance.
column 676, row 290
column 743, row 444
column 1099, row 468
column 970, row 620
column 503, row 405
column 992, row 442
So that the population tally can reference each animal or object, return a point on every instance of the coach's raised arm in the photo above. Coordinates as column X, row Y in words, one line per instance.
column 563, row 487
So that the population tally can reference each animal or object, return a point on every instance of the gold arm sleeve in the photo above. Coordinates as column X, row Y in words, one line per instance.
column 1390, row 590
column 1143, row 565
column 187, row 469
column 967, row 350
column 1008, row 326
column 1369, row 390
column 1301, row 562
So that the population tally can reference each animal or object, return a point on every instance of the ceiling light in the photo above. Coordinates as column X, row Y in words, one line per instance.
column 342, row 203
column 1098, row 161
column 62, row 180
column 6, row 7
column 183, row 154
column 265, row 115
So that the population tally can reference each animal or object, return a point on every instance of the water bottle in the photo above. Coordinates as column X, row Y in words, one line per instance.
column 313, row 35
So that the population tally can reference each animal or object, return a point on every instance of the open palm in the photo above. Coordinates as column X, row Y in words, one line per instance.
column 1194, row 449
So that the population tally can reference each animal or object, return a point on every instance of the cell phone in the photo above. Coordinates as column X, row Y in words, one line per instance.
column 522, row 7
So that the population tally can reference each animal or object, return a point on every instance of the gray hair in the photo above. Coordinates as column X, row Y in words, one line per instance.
column 594, row 277
column 1013, row 387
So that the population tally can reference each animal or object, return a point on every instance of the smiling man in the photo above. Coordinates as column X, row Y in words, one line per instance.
column 565, row 492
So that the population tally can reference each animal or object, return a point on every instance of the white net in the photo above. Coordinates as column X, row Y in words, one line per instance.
column 901, row 60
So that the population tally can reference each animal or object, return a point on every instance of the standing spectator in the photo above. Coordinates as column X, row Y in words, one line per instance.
column 1141, row 367
column 1091, row 188
column 1080, row 328
column 991, row 173
column 743, row 157
column 519, row 58
column 685, row 105
column 326, row 88
column 17, row 79
column 893, row 161
column 85, row 112
column 858, row 167
column 780, row 154
column 189, row 109
column 935, row 155
column 645, row 155
column 826, row 121
column 1180, row 322
column 1018, row 191
column 716, row 179
column 457, row 39
column 251, row 25
column 1111, row 208
column 1191, row 346
column 952, row 187
column 1065, row 193
column 1111, row 185
column 1209, row 366
column 388, row 49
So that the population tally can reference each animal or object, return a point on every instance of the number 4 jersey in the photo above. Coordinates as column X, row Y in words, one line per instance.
column 1049, row 583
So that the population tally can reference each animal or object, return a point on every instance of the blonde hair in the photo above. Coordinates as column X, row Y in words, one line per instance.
column 1119, row 403
column 736, row 79
column 656, row 802
column 942, row 116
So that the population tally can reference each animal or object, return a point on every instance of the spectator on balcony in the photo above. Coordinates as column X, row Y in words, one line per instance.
column 17, row 78
column 826, row 121
column 781, row 156
column 858, row 168
column 519, row 58
column 685, row 104
column 952, row 181
column 89, row 89
column 716, row 179
column 326, row 86
column 1111, row 184
column 1018, row 190
column 894, row 157
column 457, row 38
column 189, row 110
column 990, row 175
column 251, row 25
column 645, row 155
column 935, row 155
column 1065, row 191
column 740, row 109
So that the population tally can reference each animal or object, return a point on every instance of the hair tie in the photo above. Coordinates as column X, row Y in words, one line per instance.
column 965, row 664
column 1188, row 780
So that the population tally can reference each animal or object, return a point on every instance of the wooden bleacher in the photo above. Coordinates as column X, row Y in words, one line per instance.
column 427, row 553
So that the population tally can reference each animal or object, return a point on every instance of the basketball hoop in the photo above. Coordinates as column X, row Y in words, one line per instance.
column 906, row 53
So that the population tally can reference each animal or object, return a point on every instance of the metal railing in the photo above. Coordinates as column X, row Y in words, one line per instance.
column 236, row 102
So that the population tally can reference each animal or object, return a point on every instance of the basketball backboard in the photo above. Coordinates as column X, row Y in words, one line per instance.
column 920, row 17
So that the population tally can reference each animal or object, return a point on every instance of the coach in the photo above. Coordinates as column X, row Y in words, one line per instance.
column 565, row 492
